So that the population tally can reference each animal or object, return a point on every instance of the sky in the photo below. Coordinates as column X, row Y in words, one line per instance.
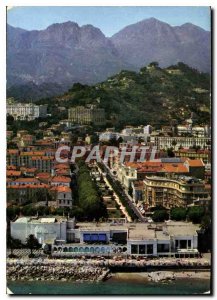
column 109, row 19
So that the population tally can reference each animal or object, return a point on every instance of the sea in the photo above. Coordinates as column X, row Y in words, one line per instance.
column 177, row 287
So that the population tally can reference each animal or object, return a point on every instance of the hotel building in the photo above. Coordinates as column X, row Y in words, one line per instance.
column 87, row 115
column 180, row 191
column 26, row 111
column 165, row 142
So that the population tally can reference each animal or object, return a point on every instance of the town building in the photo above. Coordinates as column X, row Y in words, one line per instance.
column 90, row 115
column 62, row 195
column 46, row 230
column 26, row 111
column 128, row 172
column 41, row 160
column 195, row 131
column 170, row 239
column 180, row 191
column 205, row 155
column 21, row 192
column 165, row 142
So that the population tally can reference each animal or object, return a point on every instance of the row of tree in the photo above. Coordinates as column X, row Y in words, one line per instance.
column 89, row 199
column 195, row 214
column 31, row 243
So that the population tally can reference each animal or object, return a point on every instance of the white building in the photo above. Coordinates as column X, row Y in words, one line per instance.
column 147, row 129
column 46, row 230
column 108, row 135
column 26, row 111
column 163, row 239
column 165, row 142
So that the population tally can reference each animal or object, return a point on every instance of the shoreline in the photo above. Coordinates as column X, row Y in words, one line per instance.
column 146, row 277
column 94, row 270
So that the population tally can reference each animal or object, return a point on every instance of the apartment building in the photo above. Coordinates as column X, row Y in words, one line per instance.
column 26, row 111
column 62, row 195
column 181, row 191
column 25, row 190
column 197, row 131
column 129, row 172
column 205, row 155
column 87, row 115
column 40, row 160
column 165, row 142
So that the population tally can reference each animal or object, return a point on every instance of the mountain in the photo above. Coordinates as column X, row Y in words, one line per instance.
column 62, row 53
column 153, row 95
column 153, row 40
column 66, row 53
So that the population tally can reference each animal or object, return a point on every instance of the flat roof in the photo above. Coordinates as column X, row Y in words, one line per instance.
column 136, row 231
column 36, row 220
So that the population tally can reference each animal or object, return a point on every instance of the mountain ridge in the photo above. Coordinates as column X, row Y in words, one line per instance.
column 66, row 53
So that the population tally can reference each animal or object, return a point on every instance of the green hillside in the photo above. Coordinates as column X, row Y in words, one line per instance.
column 153, row 95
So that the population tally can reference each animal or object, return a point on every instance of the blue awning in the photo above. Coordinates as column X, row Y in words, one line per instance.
column 86, row 237
column 102, row 237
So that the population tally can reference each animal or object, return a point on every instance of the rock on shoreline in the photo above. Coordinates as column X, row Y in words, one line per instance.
column 63, row 272
column 88, row 269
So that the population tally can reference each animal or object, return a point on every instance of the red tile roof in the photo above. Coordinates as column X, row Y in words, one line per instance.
column 61, row 179
column 35, row 180
column 12, row 173
column 11, row 167
column 195, row 162
column 12, row 151
column 61, row 189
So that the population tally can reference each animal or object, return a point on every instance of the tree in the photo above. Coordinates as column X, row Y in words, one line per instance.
column 130, row 190
column 10, row 120
column 12, row 212
column 205, row 234
column 195, row 214
column 160, row 216
column 170, row 152
column 29, row 210
column 178, row 213
column 174, row 142
column 154, row 64
column 13, row 244
column 32, row 243
column 206, row 223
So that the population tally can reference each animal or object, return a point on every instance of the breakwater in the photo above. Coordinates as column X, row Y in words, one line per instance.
column 35, row 270
column 82, row 269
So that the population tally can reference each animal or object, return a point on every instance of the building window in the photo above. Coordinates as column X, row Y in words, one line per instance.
column 134, row 249
column 183, row 244
column 189, row 243
column 149, row 249
column 142, row 249
column 163, row 248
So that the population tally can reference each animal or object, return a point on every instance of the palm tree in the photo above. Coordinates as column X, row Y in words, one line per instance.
column 32, row 243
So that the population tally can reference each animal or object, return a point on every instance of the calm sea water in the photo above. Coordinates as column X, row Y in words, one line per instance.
column 178, row 287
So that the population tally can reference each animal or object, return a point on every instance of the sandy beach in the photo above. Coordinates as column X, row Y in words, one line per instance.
column 144, row 276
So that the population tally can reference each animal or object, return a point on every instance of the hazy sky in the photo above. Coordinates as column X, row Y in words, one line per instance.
column 109, row 19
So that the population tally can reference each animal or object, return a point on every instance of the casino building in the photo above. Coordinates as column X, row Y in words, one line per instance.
column 68, row 238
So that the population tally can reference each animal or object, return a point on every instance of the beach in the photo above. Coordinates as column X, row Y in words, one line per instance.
column 146, row 276
column 93, row 270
